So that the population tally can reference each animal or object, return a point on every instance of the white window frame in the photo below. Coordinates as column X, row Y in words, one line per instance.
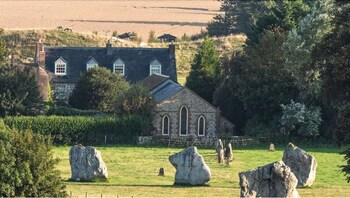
column 91, row 64
column 180, row 121
column 60, row 64
column 119, row 63
column 198, row 125
column 155, row 66
column 163, row 124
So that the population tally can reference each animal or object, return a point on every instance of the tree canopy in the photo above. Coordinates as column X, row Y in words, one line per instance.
column 98, row 89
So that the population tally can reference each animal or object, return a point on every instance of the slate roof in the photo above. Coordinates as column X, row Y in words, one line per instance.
column 167, row 36
column 165, row 90
column 154, row 80
column 137, row 61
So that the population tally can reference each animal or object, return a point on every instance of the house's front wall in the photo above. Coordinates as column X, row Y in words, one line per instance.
column 196, row 107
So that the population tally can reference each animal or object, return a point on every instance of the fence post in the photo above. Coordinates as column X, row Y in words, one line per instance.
column 105, row 139
column 70, row 194
column 86, row 195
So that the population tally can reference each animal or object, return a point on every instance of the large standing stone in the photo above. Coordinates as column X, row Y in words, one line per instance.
column 302, row 164
column 272, row 180
column 190, row 167
column 86, row 163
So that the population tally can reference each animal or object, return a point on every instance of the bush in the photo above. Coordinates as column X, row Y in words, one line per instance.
column 298, row 120
column 138, row 101
column 27, row 166
column 346, row 168
column 66, row 130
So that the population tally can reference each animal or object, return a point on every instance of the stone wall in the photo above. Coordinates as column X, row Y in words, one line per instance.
column 196, row 107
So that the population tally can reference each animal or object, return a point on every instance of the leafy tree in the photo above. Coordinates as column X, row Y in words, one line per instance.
column 19, row 92
column 331, row 56
column 238, row 16
column 27, row 166
column 136, row 100
column 151, row 37
column 298, row 120
column 205, row 71
column 265, row 83
column 299, row 45
column 3, row 49
column 98, row 89
column 227, row 96
column 284, row 14
column 346, row 168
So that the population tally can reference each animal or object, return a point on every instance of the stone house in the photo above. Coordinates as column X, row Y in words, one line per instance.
column 181, row 113
column 62, row 66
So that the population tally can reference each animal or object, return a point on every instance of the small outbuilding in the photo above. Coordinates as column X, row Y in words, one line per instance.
column 168, row 38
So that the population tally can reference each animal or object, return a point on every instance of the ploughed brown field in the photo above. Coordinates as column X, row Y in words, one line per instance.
column 163, row 16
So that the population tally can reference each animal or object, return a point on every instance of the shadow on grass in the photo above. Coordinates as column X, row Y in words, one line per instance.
column 139, row 185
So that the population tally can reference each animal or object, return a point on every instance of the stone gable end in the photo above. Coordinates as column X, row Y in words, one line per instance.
column 196, row 106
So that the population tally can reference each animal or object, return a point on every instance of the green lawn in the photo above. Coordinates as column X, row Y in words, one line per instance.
column 133, row 172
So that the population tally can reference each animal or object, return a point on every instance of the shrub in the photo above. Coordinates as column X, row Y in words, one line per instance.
column 137, row 100
column 346, row 168
column 27, row 166
column 298, row 120
column 66, row 130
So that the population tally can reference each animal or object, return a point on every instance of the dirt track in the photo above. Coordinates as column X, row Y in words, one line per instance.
column 162, row 16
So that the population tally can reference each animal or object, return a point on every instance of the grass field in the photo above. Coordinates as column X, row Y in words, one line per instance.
column 133, row 172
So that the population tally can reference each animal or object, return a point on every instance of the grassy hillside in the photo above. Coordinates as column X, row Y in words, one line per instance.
column 22, row 44
column 133, row 171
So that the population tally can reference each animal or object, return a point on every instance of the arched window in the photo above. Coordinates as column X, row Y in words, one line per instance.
column 165, row 125
column 183, row 127
column 201, row 126
column 60, row 67
column 91, row 64
column 155, row 67
column 119, row 67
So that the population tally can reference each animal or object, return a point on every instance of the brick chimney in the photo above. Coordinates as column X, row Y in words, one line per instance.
column 40, row 54
column 109, row 48
column 172, row 49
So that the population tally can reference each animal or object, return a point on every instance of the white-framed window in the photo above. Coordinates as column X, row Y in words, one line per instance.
column 60, row 67
column 155, row 67
column 165, row 125
column 119, row 67
column 183, row 126
column 201, row 126
column 91, row 64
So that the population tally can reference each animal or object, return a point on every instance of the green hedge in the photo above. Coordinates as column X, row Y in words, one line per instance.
column 68, row 111
column 67, row 130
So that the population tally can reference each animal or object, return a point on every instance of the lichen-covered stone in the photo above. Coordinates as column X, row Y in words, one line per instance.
column 272, row 180
column 190, row 167
column 86, row 164
column 302, row 164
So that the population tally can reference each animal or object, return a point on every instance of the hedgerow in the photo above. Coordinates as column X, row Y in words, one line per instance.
column 67, row 130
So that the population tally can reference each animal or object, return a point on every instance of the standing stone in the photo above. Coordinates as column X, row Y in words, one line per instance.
column 86, row 164
column 228, row 152
column 302, row 164
column 218, row 146
column 190, row 167
column 272, row 147
column 161, row 172
column 272, row 180
column 221, row 156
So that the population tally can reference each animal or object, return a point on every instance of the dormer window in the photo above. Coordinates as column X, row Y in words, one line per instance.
column 91, row 64
column 155, row 67
column 119, row 67
column 60, row 67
